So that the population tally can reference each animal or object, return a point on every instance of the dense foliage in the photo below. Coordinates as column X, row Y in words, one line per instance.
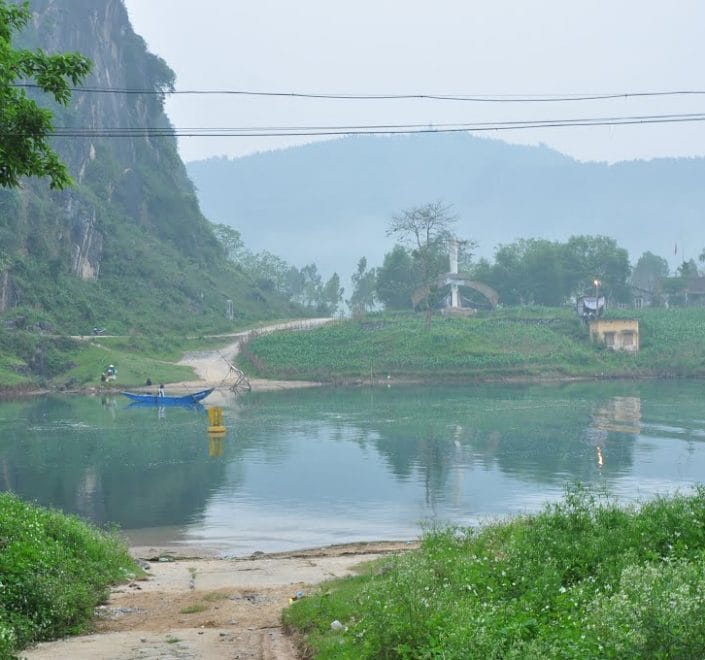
column 303, row 285
column 526, row 272
column 54, row 570
column 541, row 272
column 24, row 126
column 582, row 579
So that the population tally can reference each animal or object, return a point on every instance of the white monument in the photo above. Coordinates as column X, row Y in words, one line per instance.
column 453, row 254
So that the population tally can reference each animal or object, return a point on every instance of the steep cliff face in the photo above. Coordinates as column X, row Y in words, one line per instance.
column 137, row 176
column 132, row 222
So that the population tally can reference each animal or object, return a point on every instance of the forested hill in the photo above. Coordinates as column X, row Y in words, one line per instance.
column 127, row 247
column 330, row 201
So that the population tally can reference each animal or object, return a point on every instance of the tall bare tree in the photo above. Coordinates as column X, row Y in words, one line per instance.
column 426, row 230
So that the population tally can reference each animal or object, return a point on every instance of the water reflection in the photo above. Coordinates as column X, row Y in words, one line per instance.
column 215, row 444
column 299, row 467
column 619, row 415
column 109, row 463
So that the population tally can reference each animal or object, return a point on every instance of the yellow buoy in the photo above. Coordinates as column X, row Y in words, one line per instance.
column 215, row 417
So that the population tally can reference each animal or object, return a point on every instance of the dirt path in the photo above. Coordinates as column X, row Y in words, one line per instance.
column 209, row 608
column 212, row 370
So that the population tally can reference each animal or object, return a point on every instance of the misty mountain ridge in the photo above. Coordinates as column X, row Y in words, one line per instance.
column 330, row 202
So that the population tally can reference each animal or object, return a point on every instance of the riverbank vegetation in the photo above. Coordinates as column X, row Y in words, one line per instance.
column 31, row 360
column 54, row 570
column 512, row 343
column 582, row 579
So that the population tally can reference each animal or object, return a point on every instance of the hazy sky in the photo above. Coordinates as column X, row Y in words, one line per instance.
column 495, row 47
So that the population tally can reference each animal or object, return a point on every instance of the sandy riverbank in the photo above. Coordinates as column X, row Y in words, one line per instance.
column 204, row 607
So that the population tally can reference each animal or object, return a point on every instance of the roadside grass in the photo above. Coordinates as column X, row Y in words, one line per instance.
column 584, row 578
column 168, row 348
column 54, row 570
column 32, row 357
column 215, row 596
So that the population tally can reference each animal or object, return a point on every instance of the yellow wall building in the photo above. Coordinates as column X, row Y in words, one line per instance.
column 617, row 334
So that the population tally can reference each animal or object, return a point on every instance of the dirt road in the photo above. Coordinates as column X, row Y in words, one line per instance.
column 213, row 370
column 209, row 608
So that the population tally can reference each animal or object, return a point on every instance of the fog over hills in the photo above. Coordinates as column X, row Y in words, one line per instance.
column 329, row 202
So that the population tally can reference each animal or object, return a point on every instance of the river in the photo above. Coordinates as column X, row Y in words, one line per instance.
column 306, row 468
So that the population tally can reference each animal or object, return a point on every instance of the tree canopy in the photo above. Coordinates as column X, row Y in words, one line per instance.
column 25, row 127
column 396, row 279
column 426, row 230
column 650, row 272
column 541, row 272
column 364, row 292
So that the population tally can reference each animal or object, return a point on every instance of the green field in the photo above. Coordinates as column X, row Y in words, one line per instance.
column 513, row 343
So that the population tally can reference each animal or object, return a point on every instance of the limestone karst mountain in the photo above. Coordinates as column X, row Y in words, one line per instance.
column 127, row 245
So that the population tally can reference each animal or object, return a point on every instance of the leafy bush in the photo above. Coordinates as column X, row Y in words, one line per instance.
column 54, row 570
column 582, row 579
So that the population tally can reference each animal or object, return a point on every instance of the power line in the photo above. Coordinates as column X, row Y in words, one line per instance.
column 370, row 129
column 455, row 125
column 473, row 98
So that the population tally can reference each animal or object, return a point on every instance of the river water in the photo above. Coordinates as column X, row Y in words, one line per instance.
column 311, row 467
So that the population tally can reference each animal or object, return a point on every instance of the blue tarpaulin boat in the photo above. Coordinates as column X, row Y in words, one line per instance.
column 165, row 400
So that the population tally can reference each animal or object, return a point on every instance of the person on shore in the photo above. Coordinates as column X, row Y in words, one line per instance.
column 161, row 390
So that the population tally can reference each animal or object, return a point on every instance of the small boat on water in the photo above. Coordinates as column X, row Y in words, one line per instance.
column 165, row 400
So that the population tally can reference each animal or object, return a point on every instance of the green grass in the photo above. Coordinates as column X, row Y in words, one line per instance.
column 672, row 341
column 521, row 343
column 582, row 579
column 193, row 609
column 91, row 359
column 30, row 359
column 11, row 372
column 79, row 363
column 54, row 570
column 401, row 345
